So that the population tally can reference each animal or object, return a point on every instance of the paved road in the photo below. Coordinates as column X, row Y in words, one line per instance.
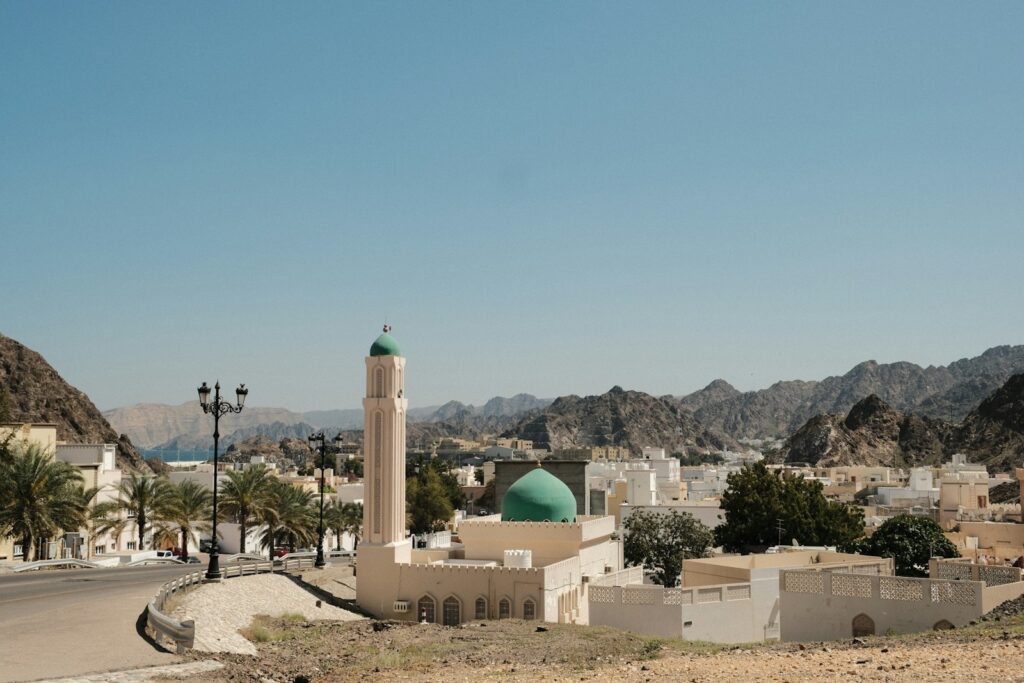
column 68, row 622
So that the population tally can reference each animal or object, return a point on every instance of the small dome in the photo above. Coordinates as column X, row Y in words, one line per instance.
column 385, row 345
column 538, row 496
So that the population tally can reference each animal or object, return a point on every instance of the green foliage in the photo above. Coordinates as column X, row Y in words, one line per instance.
column 141, row 500
column 342, row 519
column 245, row 496
column 443, row 468
column 353, row 467
column 695, row 459
column 910, row 541
column 487, row 498
column 478, row 475
column 187, row 512
column 662, row 541
column 289, row 515
column 427, row 500
column 759, row 502
column 39, row 496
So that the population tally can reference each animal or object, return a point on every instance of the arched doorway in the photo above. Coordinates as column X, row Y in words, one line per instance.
column 451, row 611
column 863, row 625
column 425, row 609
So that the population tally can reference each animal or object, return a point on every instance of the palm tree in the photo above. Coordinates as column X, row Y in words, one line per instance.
column 39, row 496
column 334, row 519
column 296, row 517
column 269, row 516
column 142, row 499
column 352, row 513
column 245, row 496
column 189, row 511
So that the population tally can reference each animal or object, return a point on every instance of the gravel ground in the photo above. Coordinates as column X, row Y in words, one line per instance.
column 515, row 650
column 221, row 609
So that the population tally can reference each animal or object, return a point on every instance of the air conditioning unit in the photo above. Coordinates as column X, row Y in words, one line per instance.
column 401, row 606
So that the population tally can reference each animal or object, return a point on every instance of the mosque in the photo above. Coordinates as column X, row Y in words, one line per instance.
column 533, row 561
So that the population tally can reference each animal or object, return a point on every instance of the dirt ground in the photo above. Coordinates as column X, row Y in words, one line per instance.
column 514, row 650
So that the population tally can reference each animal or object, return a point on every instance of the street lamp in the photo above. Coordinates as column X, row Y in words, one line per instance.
column 319, row 441
column 218, row 408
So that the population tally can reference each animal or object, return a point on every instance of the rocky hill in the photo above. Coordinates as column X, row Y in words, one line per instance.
column 37, row 393
column 944, row 392
column 618, row 418
column 875, row 433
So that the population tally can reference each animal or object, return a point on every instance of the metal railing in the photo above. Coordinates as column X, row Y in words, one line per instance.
column 183, row 633
column 66, row 563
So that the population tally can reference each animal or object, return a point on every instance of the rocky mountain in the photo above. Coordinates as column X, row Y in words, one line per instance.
column 875, row 433
column 618, row 418
column 944, row 392
column 35, row 392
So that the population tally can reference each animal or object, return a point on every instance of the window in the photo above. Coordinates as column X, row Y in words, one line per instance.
column 481, row 608
column 505, row 608
column 99, row 550
column 452, row 611
column 529, row 609
column 425, row 609
column 131, row 545
column 18, row 550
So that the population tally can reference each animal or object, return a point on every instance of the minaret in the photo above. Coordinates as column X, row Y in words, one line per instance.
column 384, row 548
column 385, row 407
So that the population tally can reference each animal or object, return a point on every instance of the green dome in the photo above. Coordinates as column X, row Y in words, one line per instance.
column 385, row 345
column 538, row 496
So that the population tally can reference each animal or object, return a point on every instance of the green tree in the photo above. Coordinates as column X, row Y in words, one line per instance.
column 487, row 498
column 39, row 497
column 189, row 511
column 662, row 541
column 141, row 500
column 346, row 518
column 762, row 505
column 289, row 516
column 910, row 541
column 245, row 496
column 429, row 507
column 695, row 459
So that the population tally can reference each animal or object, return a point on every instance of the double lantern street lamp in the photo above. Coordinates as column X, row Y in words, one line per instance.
column 318, row 441
column 218, row 408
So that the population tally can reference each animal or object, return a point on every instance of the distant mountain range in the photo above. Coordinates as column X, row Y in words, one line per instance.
column 943, row 392
column 875, row 433
column 155, row 426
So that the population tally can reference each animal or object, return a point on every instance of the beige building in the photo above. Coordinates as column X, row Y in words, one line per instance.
column 592, row 453
column 730, row 599
column 828, row 605
column 43, row 435
column 516, row 565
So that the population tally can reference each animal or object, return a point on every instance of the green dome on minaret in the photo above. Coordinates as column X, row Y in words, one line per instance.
column 385, row 345
column 538, row 496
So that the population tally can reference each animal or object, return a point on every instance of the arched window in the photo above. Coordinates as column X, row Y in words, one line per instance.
column 529, row 609
column 452, row 611
column 863, row 625
column 481, row 609
column 425, row 609
column 505, row 608
column 378, row 382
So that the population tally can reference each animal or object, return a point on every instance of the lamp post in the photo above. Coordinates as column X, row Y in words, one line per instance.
column 319, row 441
column 218, row 408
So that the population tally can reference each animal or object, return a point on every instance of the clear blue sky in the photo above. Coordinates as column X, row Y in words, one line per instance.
column 549, row 197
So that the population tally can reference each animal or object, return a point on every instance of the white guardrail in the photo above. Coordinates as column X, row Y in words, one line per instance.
column 68, row 563
column 183, row 633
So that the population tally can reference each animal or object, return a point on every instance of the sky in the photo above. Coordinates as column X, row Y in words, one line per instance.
column 541, row 197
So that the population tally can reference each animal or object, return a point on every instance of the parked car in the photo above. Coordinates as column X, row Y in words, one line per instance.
column 280, row 552
column 192, row 559
column 165, row 553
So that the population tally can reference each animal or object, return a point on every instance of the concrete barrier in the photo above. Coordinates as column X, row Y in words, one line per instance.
column 56, row 564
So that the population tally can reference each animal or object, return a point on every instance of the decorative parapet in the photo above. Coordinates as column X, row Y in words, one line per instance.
column 962, row 569
column 638, row 594
column 895, row 588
